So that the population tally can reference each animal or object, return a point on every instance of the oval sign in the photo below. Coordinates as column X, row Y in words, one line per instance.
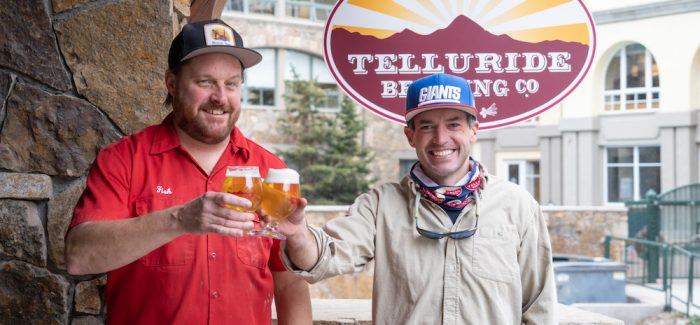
column 521, row 57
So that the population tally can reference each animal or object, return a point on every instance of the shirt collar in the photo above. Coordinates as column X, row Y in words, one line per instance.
column 420, row 174
column 165, row 139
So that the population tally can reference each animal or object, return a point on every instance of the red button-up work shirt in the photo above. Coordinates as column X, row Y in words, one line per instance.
column 194, row 279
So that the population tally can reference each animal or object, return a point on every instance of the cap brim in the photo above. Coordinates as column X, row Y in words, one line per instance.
column 464, row 108
column 247, row 57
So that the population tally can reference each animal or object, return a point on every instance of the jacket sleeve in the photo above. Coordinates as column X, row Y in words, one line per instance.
column 536, row 272
column 345, row 244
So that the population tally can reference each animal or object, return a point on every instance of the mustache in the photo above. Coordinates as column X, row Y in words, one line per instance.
column 210, row 107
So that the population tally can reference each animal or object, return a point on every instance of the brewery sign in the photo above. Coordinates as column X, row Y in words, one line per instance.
column 521, row 57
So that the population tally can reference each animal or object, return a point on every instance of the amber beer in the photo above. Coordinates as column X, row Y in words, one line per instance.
column 280, row 193
column 244, row 181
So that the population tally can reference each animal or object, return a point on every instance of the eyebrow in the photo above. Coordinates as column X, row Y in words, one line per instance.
column 428, row 121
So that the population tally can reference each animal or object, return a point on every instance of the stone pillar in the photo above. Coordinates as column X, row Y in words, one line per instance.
column 75, row 75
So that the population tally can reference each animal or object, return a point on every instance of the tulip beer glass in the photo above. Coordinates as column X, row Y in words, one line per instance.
column 244, row 181
column 280, row 195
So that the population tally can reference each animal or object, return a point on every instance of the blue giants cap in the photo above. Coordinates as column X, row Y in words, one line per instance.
column 439, row 91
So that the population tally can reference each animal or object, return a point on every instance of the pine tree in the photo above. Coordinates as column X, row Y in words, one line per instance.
column 332, row 164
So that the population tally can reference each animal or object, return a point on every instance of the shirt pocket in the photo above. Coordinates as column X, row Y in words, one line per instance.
column 179, row 251
column 495, row 253
column 253, row 250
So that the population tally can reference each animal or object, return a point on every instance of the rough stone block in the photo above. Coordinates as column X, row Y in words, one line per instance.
column 21, row 232
column 182, row 7
column 25, row 186
column 62, row 5
column 87, row 320
column 118, row 54
column 29, row 45
column 32, row 295
column 58, row 218
column 87, row 296
column 51, row 134
column 5, row 84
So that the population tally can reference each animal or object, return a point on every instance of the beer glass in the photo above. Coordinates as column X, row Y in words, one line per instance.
column 280, row 196
column 245, row 182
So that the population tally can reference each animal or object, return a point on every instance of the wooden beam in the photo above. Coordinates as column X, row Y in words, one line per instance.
column 205, row 9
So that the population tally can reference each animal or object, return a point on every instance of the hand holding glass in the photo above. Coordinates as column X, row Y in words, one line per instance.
column 280, row 197
column 245, row 182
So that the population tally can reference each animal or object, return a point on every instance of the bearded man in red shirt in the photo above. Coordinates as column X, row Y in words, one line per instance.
column 153, row 216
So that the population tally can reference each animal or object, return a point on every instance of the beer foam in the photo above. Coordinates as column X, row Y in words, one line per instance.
column 242, row 171
column 281, row 176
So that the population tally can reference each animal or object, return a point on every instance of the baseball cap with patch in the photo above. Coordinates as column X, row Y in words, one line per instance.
column 210, row 36
column 439, row 91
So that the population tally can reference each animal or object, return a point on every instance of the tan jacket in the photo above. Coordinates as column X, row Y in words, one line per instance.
column 501, row 275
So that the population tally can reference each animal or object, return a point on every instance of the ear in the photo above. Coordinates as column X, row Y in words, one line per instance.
column 170, row 82
column 409, row 135
column 473, row 131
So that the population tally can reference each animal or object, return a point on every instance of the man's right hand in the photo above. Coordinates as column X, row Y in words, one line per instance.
column 209, row 214
column 301, row 244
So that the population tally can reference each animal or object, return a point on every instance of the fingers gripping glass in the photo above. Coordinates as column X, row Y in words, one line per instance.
column 437, row 235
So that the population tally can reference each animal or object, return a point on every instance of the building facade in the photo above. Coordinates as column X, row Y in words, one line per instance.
column 629, row 127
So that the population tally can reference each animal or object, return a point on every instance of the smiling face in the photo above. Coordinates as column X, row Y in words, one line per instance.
column 442, row 139
column 206, row 96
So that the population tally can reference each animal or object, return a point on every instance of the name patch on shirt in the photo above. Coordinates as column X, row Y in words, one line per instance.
column 163, row 190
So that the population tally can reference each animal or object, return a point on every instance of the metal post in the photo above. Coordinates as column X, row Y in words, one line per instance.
column 653, row 231
column 669, row 289
column 690, row 285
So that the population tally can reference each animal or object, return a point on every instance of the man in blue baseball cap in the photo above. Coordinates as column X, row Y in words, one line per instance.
column 451, row 243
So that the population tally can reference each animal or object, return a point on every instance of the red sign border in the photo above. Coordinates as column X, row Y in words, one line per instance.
column 561, row 96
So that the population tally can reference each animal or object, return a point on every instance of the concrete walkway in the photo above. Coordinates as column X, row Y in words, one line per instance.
column 679, row 289
column 647, row 301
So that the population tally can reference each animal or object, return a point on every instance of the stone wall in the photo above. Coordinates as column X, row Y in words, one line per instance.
column 75, row 75
column 580, row 230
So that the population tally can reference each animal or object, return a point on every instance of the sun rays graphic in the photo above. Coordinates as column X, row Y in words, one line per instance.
column 524, row 20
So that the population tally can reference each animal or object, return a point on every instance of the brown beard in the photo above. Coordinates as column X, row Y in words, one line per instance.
column 197, row 128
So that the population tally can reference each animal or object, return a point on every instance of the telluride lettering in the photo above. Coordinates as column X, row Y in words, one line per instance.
column 458, row 63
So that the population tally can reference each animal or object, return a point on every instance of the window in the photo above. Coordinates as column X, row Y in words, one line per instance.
column 315, row 10
column 525, row 173
column 631, row 172
column 259, row 87
column 632, row 80
column 266, row 7
column 309, row 67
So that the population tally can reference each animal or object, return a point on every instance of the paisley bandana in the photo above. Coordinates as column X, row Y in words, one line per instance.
column 452, row 199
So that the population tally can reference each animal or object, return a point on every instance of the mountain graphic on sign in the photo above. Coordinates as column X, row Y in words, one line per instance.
column 465, row 37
